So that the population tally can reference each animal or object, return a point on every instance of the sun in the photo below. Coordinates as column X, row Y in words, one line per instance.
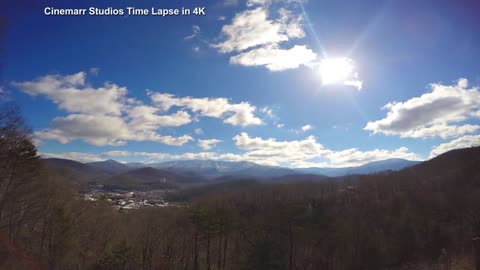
column 335, row 70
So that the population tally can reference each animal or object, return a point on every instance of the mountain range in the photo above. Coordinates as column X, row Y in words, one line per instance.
column 173, row 174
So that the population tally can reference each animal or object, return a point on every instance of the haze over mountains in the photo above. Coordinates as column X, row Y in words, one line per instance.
column 214, row 169
column 173, row 174
column 393, row 164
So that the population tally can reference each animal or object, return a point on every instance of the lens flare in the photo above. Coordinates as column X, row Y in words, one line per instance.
column 335, row 70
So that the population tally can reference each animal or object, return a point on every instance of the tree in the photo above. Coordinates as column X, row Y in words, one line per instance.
column 18, row 171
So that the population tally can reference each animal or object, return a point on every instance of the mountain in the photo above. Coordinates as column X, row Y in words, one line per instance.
column 142, row 179
column 111, row 166
column 214, row 169
column 394, row 164
column 136, row 165
column 75, row 171
column 464, row 161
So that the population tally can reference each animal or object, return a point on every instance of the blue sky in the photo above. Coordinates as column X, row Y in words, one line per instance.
column 289, row 83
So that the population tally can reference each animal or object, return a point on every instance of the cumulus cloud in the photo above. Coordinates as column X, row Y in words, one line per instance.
column 291, row 23
column 309, row 153
column 103, row 115
column 256, row 38
column 275, row 58
column 442, row 112
column 236, row 114
column 147, row 118
column 157, row 157
column 106, row 116
column 208, row 144
column 355, row 157
column 102, row 130
column 72, row 94
column 306, row 128
column 251, row 28
column 462, row 142
column 251, row 3
column 198, row 131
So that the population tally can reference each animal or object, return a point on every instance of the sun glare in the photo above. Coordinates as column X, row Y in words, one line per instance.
column 335, row 70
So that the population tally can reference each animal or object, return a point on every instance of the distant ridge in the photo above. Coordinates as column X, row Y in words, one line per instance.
column 111, row 166
column 214, row 168
column 141, row 179
column 394, row 164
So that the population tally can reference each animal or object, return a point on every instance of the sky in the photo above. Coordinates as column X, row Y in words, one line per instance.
column 293, row 83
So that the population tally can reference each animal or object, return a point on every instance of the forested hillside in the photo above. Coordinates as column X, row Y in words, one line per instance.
column 422, row 217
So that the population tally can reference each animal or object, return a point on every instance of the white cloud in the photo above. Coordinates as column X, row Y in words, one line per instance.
column 251, row 28
column 195, row 32
column 355, row 157
column 306, row 128
column 102, row 130
column 296, row 153
column 72, row 94
column 307, row 152
column 157, row 157
column 438, row 113
column 208, row 144
column 81, row 157
column 355, row 83
column 198, row 131
column 116, row 153
column 221, row 18
column 237, row 114
column 96, row 130
column 291, row 23
column 101, row 116
column 267, row 110
column 256, row 37
column 258, row 2
column 106, row 116
column 462, row 142
column 147, row 118
column 274, row 58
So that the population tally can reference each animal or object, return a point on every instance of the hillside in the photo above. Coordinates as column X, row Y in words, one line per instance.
column 76, row 172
